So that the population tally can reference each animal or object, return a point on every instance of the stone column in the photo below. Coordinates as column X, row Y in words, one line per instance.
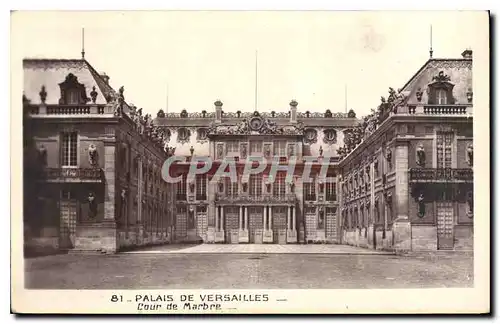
column 401, row 157
column 401, row 227
column 217, row 208
column 294, row 225
column 107, row 232
column 289, row 218
column 265, row 218
column 241, row 226
column 245, row 212
column 270, row 218
column 222, row 218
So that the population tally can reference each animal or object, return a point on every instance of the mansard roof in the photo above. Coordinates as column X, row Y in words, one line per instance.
column 49, row 73
column 459, row 71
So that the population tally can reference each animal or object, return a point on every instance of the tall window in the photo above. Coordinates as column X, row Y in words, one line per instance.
column 442, row 97
column 69, row 147
column 255, row 147
column 201, row 187
column 310, row 190
column 279, row 185
column 231, row 188
column 331, row 191
column 255, row 185
column 279, row 148
column 444, row 149
column 232, row 147
column 181, row 188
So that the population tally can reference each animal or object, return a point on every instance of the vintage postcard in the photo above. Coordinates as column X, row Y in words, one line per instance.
column 246, row 162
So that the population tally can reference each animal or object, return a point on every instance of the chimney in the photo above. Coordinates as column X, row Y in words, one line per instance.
column 218, row 111
column 293, row 111
column 105, row 77
column 467, row 54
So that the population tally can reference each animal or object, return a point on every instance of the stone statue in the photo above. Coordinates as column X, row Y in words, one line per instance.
column 93, row 155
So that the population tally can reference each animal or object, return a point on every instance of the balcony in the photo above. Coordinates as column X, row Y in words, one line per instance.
column 76, row 175
column 441, row 175
column 55, row 110
column 288, row 199
column 437, row 110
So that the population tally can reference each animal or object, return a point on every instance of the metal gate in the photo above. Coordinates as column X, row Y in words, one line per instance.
column 445, row 225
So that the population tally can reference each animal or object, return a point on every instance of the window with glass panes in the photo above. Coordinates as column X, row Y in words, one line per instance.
column 279, row 185
column 310, row 190
column 444, row 142
column 181, row 188
column 69, row 146
column 255, row 147
column 232, row 147
column 201, row 187
column 442, row 97
column 279, row 148
column 255, row 183
column 231, row 187
column 331, row 191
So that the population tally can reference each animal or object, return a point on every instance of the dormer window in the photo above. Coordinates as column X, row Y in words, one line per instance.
column 441, row 97
column 440, row 91
column 72, row 92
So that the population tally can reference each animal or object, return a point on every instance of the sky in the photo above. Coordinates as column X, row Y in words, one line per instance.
column 204, row 56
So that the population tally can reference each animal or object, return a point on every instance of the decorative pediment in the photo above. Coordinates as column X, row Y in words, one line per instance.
column 72, row 92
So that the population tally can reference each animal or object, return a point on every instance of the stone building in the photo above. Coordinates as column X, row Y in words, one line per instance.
column 262, row 207
column 92, row 163
column 407, row 169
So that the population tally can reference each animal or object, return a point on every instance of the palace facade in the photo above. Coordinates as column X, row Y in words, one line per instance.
column 92, row 165
column 400, row 178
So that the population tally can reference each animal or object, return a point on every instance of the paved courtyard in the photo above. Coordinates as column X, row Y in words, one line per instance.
column 259, row 248
column 162, row 268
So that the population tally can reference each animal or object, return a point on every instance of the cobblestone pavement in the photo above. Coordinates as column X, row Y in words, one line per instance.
column 247, row 271
column 259, row 248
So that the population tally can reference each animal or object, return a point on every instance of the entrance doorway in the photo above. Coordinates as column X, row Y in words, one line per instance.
column 68, row 206
column 445, row 225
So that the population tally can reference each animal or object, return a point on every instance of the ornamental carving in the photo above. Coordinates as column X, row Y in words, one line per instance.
column 421, row 205
column 243, row 150
column 72, row 92
column 93, row 94
column 183, row 135
column 441, row 77
column 291, row 150
column 470, row 204
column 310, row 136
column 329, row 136
column 202, row 135
column 42, row 155
column 43, row 94
column 255, row 125
column 420, row 155
column 220, row 151
column 267, row 150
column 93, row 155
column 470, row 154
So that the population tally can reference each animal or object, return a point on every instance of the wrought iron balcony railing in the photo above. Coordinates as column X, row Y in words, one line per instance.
column 73, row 175
column 264, row 199
column 441, row 175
